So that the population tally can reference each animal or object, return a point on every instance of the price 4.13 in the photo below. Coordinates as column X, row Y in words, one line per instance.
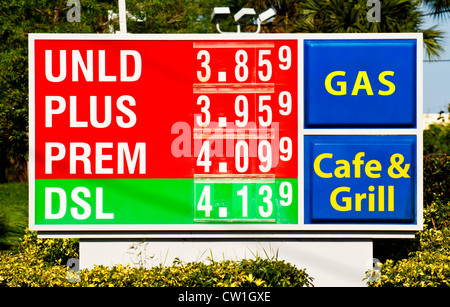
column 242, row 202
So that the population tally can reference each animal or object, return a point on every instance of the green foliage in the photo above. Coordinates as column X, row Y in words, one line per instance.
column 276, row 273
column 13, row 213
column 436, row 139
column 438, row 7
column 40, row 262
column 51, row 251
column 437, row 215
column 174, row 16
column 436, row 179
column 197, row 274
column 350, row 16
column 427, row 267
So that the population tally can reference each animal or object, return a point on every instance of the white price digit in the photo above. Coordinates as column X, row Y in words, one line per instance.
column 243, row 193
column 241, row 156
column 205, row 110
column 286, row 148
column 204, row 203
column 267, row 199
column 241, row 70
column 264, row 62
column 207, row 75
column 284, row 55
column 286, row 193
column 261, row 108
column 203, row 157
column 285, row 102
column 241, row 109
column 265, row 156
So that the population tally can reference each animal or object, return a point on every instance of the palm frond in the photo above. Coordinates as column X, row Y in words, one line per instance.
column 433, row 41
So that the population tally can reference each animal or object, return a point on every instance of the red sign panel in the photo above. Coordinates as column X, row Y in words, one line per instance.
column 212, row 123
column 144, row 109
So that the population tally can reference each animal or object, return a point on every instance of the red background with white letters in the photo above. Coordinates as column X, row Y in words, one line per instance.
column 163, row 94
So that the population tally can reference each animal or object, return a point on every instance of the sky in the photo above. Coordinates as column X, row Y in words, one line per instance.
column 436, row 75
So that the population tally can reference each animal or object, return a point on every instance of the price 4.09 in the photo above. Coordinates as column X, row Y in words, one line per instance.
column 242, row 153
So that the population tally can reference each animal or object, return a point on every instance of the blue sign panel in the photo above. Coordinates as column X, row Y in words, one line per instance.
column 360, row 83
column 360, row 179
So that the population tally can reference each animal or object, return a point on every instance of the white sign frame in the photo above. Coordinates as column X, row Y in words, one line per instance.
column 300, row 230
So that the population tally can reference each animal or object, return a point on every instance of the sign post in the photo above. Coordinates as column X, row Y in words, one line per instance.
column 231, row 136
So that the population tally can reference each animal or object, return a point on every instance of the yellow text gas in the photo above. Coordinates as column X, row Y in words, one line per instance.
column 336, row 83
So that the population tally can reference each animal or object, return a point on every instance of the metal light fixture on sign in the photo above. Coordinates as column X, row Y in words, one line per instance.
column 243, row 16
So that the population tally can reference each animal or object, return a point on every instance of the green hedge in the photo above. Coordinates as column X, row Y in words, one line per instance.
column 427, row 267
column 13, row 213
column 424, row 261
column 436, row 178
column 41, row 262
column 428, row 263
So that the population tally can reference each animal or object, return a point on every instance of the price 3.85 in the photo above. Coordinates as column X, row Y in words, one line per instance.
column 241, row 70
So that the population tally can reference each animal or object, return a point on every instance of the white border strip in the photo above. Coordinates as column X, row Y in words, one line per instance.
column 394, row 230
column 31, row 135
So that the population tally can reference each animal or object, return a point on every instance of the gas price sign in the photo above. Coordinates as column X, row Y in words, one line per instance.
column 214, row 132
column 244, row 133
column 156, row 131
